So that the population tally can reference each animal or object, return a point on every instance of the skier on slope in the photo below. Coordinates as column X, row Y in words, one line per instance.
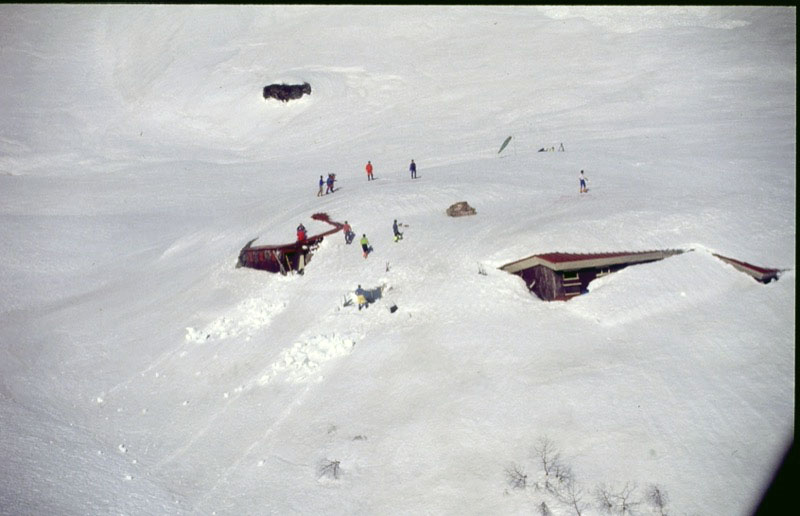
column 583, row 181
column 365, row 245
column 301, row 233
column 413, row 168
column 397, row 234
column 369, row 171
column 321, row 184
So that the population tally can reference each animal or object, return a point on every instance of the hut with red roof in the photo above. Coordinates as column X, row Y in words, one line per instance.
column 562, row 276
column 285, row 258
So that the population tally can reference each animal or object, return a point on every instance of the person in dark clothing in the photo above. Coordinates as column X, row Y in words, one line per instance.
column 413, row 169
column 321, row 184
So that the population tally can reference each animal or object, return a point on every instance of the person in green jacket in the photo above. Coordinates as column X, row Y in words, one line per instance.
column 365, row 245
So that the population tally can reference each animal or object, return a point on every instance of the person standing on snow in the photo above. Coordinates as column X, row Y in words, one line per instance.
column 413, row 169
column 330, row 181
column 397, row 234
column 321, row 184
column 369, row 171
column 365, row 245
column 361, row 297
column 301, row 233
column 348, row 233
column 583, row 181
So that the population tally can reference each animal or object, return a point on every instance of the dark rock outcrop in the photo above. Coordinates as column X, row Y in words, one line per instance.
column 286, row 92
column 461, row 209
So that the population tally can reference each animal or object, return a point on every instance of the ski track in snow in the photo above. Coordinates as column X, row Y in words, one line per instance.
column 299, row 364
column 298, row 400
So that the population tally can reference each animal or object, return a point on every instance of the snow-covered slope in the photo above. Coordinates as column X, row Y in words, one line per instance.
column 142, row 373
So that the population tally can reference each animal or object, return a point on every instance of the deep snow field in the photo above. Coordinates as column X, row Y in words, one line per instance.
column 142, row 373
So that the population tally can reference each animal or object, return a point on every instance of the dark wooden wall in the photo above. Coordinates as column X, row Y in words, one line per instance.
column 543, row 282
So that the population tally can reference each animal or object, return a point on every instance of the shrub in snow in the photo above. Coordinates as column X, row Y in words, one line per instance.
column 657, row 498
column 562, row 473
column 557, row 485
column 616, row 501
column 559, row 480
column 572, row 495
column 516, row 477
column 550, row 460
column 330, row 469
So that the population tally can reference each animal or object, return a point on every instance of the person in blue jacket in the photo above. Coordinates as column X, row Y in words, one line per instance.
column 413, row 169
column 331, row 179
column 361, row 297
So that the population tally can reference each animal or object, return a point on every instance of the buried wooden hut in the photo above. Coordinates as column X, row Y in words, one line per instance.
column 561, row 276
column 284, row 258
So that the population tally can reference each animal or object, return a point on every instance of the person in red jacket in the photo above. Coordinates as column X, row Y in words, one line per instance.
column 369, row 171
column 348, row 233
column 301, row 233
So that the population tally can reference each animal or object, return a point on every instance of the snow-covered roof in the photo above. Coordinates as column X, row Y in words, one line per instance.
column 559, row 261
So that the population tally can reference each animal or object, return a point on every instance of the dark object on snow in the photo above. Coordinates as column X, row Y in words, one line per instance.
column 504, row 145
column 286, row 92
column 460, row 209
column 561, row 276
column 393, row 308
column 286, row 257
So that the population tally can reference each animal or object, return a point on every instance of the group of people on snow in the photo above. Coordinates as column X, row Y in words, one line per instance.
column 349, row 235
column 366, row 248
column 329, row 182
column 369, row 168
column 552, row 149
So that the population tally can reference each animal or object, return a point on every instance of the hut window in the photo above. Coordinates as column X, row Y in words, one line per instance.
column 572, row 283
column 602, row 271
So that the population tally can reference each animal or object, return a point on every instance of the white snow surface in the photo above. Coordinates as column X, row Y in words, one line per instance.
column 141, row 372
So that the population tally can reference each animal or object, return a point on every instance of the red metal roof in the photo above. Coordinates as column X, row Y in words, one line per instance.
column 761, row 270
column 574, row 257
column 567, row 261
column 313, row 239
